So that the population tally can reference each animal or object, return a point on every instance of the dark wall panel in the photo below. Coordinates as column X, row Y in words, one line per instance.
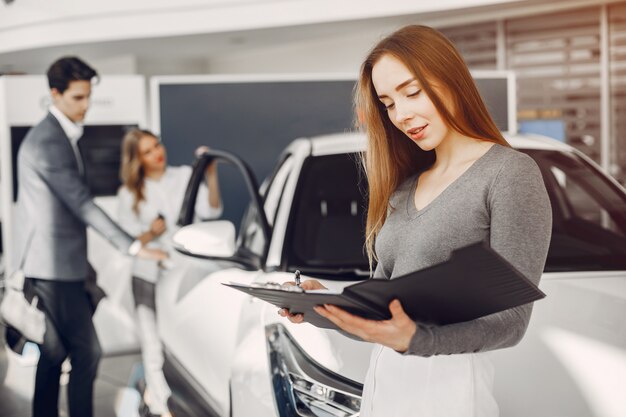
column 256, row 120
column 252, row 120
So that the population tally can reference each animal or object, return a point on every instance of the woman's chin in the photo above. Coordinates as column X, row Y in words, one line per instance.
column 425, row 144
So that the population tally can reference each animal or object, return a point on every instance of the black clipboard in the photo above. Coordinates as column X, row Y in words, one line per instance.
column 476, row 281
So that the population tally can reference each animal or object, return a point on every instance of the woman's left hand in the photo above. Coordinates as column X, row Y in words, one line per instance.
column 395, row 333
column 211, row 169
column 200, row 150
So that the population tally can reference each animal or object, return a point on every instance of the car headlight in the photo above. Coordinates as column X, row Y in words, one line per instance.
column 303, row 387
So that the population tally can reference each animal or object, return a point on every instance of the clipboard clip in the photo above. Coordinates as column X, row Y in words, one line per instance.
column 276, row 286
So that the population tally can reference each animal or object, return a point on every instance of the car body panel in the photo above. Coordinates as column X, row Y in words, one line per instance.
column 575, row 345
column 184, row 298
column 300, row 150
column 575, row 340
column 251, row 388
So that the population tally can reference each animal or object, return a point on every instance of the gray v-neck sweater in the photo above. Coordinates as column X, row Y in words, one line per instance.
column 500, row 199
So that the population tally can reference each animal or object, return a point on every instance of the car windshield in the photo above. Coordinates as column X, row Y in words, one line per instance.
column 328, row 217
column 326, row 234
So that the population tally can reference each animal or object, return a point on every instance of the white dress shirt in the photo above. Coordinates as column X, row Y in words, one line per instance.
column 74, row 132
column 165, row 197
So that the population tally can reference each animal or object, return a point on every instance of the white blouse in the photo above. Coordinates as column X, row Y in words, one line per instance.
column 163, row 196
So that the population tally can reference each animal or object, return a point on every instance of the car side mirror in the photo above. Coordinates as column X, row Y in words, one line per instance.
column 212, row 239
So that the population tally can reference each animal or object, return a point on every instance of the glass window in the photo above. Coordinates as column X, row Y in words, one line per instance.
column 589, row 214
column 326, row 232
column 251, row 236
column 327, row 227
column 617, row 141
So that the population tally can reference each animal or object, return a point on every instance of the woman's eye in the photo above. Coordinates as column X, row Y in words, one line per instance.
column 413, row 94
column 388, row 106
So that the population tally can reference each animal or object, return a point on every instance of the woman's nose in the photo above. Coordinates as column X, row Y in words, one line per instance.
column 403, row 113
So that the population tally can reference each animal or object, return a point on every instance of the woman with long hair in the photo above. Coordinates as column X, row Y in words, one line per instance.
column 441, row 176
column 150, row 200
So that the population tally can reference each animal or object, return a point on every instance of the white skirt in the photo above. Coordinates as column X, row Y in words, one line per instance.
column 438, row 386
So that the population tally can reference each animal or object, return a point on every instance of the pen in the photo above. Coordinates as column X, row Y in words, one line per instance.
column 297, row 277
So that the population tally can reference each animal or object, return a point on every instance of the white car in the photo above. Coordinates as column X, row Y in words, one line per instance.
column 228, row 354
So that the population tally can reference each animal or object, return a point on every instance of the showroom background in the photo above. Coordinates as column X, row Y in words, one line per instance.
column 569, row 56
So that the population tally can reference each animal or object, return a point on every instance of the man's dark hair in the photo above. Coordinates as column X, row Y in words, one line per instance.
column 67, row 69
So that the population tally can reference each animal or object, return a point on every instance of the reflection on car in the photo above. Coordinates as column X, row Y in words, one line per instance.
column 231, row 355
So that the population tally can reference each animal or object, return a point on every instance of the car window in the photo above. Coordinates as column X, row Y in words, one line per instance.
column 251, row 233
column 327, row 220
column 589, row 214
column 276, row 188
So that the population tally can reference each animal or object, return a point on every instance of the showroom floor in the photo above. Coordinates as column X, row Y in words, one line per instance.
column 112, row 397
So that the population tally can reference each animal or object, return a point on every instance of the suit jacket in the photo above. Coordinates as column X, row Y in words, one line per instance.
column 54, row 206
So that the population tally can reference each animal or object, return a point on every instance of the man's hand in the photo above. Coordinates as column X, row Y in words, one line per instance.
column 153, row 254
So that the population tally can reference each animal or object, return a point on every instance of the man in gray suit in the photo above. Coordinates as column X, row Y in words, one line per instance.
column 54, row 208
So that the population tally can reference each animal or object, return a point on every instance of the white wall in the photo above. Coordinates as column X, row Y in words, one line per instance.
column 117, row 65
column 332, row 54
column 27, row 24
column 150, row 67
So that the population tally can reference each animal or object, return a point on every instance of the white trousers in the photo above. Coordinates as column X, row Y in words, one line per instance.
column 438, row 386
column 152, row 356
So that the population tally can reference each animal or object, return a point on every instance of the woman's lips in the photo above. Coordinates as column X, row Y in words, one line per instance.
column 417, row 133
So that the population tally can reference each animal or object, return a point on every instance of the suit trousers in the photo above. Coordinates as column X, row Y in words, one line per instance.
column 69, row 333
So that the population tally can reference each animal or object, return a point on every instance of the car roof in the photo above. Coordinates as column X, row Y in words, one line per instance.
column 355, row 142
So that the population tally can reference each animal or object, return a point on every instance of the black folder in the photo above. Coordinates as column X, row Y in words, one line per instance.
column 476, row 281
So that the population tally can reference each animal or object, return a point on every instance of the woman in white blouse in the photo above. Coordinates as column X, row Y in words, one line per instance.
column 149, row 203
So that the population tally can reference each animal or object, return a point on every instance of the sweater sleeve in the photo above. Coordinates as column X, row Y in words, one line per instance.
column 520, row 230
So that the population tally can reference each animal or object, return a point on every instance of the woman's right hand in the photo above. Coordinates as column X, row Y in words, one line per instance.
column 309, row 284
column 158, row 227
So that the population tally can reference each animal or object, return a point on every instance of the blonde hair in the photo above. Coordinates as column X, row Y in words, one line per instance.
column 131, row 172
column 391, row 157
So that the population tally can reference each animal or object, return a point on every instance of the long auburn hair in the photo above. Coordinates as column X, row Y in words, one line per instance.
column 131, row 172
column 391, row 157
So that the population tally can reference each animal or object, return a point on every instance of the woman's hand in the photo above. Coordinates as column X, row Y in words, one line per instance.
column 200, row 150
column 309, row 284
column 395, row 333
column 212, row 167
column 158, row 227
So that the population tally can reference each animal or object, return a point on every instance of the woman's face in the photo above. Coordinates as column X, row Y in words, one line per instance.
column 152, row 154
column 407, row 105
